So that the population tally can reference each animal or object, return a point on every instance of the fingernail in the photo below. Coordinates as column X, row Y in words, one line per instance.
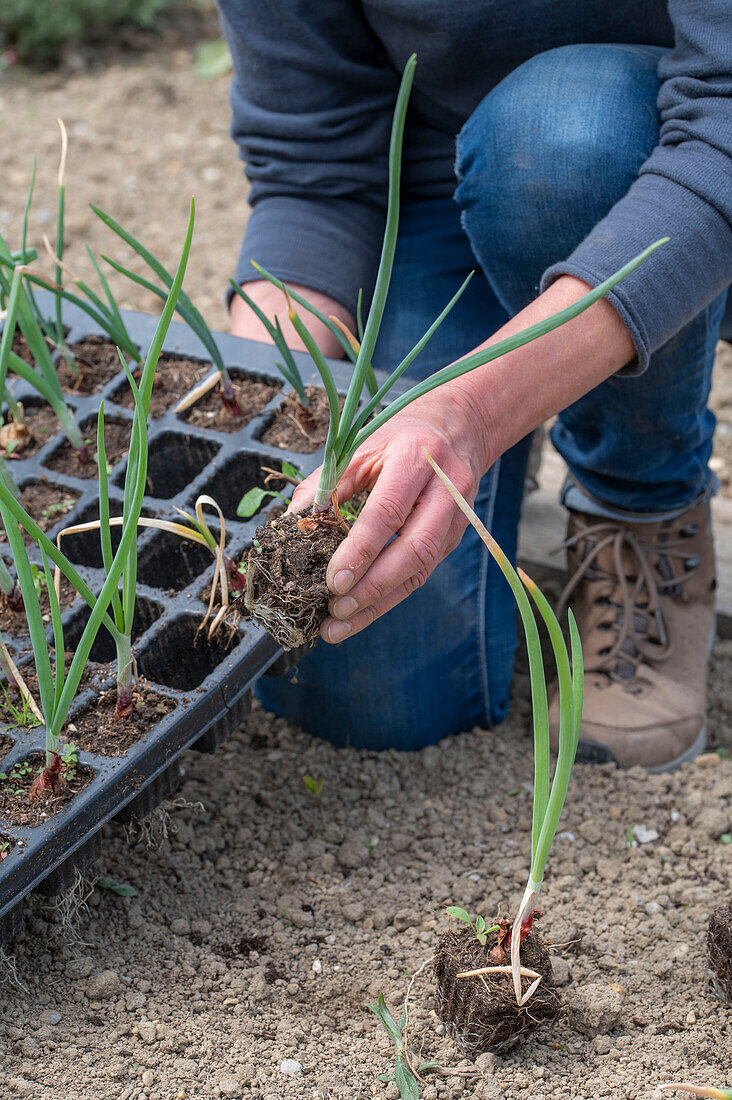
column 343, row 581
column 338, row 631
column 344, row 607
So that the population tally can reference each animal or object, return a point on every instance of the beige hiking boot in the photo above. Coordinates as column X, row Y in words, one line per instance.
column 643, row 597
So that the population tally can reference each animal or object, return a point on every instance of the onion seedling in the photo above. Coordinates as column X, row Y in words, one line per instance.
column 10, row 596
column 20, row 313
column 289, row 368
column 107, row 315
column 548, row 797
column 59, row 335
column 296, row 621
column 185, row 307
column 226, row 574
column 56, row 686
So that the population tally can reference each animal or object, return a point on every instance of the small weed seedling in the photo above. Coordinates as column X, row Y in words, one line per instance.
column 121, row 889
column 5, row 848
column 252, row 501
column 315, row 786
column 480, row 930
column 21, row 715
column 405, row 1076
column 16, row 775
column 70, row 760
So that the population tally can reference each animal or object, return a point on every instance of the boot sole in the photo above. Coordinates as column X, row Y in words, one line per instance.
column 591, row 752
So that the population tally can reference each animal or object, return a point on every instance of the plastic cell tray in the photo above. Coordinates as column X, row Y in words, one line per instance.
column 210, row 680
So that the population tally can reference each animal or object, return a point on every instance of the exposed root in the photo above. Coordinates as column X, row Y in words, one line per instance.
column 9, row 974
column 15, row 437
column 72, row 907
column 151, row 832
column 405, row 1029
column 289, row 634
column 286, row 590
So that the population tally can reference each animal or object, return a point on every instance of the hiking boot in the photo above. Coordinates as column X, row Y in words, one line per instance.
column 643, row 597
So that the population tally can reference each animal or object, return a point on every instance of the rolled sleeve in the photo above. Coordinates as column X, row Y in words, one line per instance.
column 684, row 192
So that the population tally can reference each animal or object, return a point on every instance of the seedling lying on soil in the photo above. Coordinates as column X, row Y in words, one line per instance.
column 477, row 1023
column 698, row 1090
column 56, row 686
column 286, row 591
column 405, row 1076
column 184, row 306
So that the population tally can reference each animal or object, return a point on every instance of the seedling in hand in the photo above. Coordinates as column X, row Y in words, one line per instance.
column 293, row 613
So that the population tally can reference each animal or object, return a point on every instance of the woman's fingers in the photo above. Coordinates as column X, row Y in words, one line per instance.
column 424, row 540
column 304, row 493
column 384, row 513
column 334, row 630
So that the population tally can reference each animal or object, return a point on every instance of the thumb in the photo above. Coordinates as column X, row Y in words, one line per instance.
column 304, row 494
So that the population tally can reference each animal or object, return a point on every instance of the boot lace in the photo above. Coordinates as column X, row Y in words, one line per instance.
column 637, row 589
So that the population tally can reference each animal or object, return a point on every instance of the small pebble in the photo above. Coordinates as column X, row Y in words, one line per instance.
column 644, row 835
column 148, row 1078
column 290, row 1067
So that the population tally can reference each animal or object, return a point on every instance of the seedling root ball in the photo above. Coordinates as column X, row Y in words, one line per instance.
column 719, row 952
column 480, row 1013
column 286, row 592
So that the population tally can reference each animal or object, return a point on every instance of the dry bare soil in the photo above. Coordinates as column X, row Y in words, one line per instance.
column 256, row 935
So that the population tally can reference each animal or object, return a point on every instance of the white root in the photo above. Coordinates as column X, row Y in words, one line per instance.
column 289, row 634
column 198, row 392
column 524, row 972
column 525, row 909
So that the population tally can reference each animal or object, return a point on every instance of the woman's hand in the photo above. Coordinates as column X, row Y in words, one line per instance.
column 367, row 576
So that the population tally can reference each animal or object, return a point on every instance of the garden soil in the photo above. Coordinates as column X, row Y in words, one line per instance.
column 255, row 937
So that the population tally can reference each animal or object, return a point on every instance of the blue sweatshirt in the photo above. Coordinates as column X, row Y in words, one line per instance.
column 313, row 94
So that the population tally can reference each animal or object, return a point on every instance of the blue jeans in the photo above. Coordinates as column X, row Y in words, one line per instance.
column 540, row 161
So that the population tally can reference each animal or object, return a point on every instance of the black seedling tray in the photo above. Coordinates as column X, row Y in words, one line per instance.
column 209, row 680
